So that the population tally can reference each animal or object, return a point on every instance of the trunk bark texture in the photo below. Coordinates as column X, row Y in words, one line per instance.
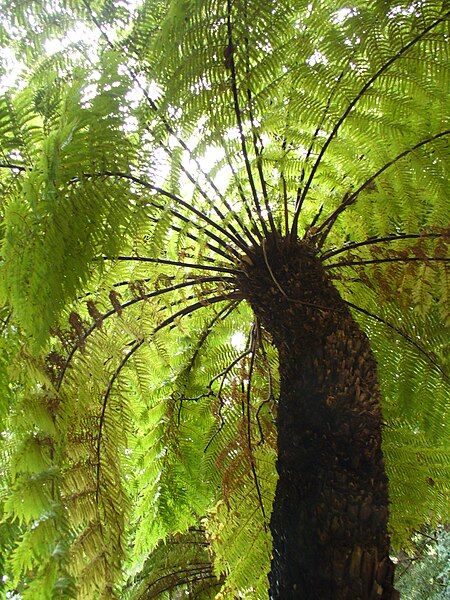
column 329, row 519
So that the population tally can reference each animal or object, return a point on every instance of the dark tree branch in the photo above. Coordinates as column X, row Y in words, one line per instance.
column 361, row 93
column 176, row 263
column 136, row 345
column 189, row 234
column 402, row 334
column 285, row 201
column 123, row 362
column 243, row 198
column 193, row 307
column 191, row 575
column 253, row 350
column 376, row 261
column 170, row 129
column 177, row 200
column 12, row 167
column 232, row 66
column 350, row 199
column 221, row 315
column 223, row 374
column 300, row 197
column 175, row 213
column 270, row 395
column 381, row 240
column 255, row 138
column 258, row 155
column 113, row 311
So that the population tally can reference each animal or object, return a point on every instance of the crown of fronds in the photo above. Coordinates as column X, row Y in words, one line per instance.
column 140, row 165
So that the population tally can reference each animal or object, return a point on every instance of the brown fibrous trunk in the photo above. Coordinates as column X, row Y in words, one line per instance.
column 330, row 513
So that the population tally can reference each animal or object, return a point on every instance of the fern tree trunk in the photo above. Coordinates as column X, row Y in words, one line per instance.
column 329, row 520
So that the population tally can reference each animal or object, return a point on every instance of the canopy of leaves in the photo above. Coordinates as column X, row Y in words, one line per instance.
column 144, row 149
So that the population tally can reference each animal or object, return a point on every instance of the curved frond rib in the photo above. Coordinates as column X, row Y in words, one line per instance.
column 253, row 350
column 256, row 139
column 220, row 316
column 13, row 167
column 300, row 197
column 113, row 311
column 351, row 199
column 223, row 374
column 171, row 130
column 243, row 198
column 376, row 261
column 147, row 185
column 134, row 348
column 270, row 394
column 237, row 110
column 402, row 334
column 176, row 263
column 381, row 240
column 361, row 93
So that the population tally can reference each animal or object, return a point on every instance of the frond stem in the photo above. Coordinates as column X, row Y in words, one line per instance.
column 401, row 333
column 203, row 337
column 253, row 349
column 255, row 137
column 237, row 110
column 123, row 362
column 360, row 94
column 176, row 263
column 172, row 132
column 13, row 167
column 243, row 198
column 301, row 198
column 350, row 199
column 136, row 345
column 376, row 261
column 223, row 374
column 114, row 311
column 380, row 240
column 178, row 200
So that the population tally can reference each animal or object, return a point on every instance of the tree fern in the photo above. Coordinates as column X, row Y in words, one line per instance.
column 183, row 194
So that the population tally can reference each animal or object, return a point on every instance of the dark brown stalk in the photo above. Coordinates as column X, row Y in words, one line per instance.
column 201, row 228
column 176, row 263
column 134, row 348
column 223, row 374
column 12, row 167
column 170, row 129
column 376, row 261
column 113, row 311
column 381, row 240
column 241, row 195
column 255, row 138
column 116, row 373
column 179, row 201
column 247, row 416
column 237, row 110
column 301, row 198
column 350, row 199
column 361, row 93
column 221, row 315
column 402, row 334
column 189, row 234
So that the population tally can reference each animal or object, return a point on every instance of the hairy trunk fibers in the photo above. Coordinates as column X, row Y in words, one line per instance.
column 329, row 520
